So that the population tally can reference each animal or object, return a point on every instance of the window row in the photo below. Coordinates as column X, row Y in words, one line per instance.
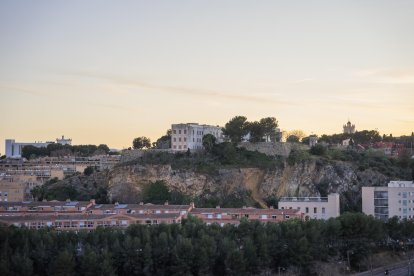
column 180, row 147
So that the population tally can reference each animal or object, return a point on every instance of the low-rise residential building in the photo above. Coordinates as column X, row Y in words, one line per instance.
column 395, row 199
column 313, row 207
column 224, row 216
column 190, row 136
column 77, row 215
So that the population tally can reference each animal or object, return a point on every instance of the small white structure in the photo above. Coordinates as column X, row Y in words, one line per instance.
column 190, row 136
column 396, row 199
column 64, row 141
column 313, row 140
column 14, row 149
column 313, row 207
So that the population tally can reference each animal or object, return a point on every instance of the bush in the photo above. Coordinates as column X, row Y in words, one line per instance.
column 88, row 171
column 318, row 149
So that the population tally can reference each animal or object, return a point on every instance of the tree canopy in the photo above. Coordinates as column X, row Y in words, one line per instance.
column 209, row 141
column 261, row 130
column 194, row 248
column 141, row 143
column 236, row 128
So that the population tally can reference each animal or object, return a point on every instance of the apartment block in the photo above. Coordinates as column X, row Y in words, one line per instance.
column 396, row 199
column 313, row 207
column 190, row 136
column 74, row 215
column 224, row 216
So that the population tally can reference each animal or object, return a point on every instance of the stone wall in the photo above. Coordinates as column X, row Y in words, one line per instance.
column 271, row 148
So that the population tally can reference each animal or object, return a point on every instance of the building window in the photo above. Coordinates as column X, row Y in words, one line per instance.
column 307, row 209
column 174, row 147
column 185, row 146
column 179, row 147
column 179, row 131
column 185, row 139
column 323, row 210
column 179, row 139
column 175, row 139
column 185, row 131
column 315, row 210
column 193, row 140
column 174, row 131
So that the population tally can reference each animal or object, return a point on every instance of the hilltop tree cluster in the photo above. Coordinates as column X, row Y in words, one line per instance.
column 238, row 127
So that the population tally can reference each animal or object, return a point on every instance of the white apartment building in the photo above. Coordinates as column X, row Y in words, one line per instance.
column 397, row 199
column 313, row 207
column 14, row 149
column 190, row 136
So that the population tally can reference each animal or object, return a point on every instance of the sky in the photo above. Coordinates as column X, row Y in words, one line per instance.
column 105, row 72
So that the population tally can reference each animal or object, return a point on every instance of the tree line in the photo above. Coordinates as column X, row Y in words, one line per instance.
column 194, row 248
column 58, row 150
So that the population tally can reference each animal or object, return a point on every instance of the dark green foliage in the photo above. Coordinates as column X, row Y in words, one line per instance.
column 256, row 132
column 296, row 156
column 208, row 142
column 292, row 139
column 88, row 171
column 318, row 149
column 156, row 192
column 164, row 142
column 193, row 248
column 141, row 143
column 57, row 150
column 223, row 155
column 236, row 128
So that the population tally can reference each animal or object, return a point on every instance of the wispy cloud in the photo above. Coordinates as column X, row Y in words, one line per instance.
column 387, row 75
column 20, row 89
column 303, row 80
column 131, row 83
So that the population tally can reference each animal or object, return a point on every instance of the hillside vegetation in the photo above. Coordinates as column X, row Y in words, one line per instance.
column 233, row 177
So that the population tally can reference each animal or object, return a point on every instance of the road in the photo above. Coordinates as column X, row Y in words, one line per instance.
column 397, row 269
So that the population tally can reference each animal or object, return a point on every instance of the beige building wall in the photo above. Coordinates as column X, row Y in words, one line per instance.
column 313, row 207
column 12, row 191
column 397, row 199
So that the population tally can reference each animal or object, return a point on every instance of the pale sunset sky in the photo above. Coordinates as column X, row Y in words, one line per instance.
column 102, row 71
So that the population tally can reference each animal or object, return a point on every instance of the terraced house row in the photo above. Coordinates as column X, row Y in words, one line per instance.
column 74, row 215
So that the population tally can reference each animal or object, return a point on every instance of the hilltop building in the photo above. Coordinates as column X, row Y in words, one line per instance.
column 396, row 199
column 14, row 149
column 190, row 136
column 349, row 128
column 64, row 141
column 313, row 207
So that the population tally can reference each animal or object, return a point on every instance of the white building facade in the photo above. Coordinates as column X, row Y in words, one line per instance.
column 397, row 199
column 14, row 149
column 190, row 136
column 313, row 207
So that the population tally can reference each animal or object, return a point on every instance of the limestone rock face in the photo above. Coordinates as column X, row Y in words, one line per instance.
column 310, row 178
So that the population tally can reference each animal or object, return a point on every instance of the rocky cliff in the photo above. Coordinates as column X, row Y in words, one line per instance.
column 309, row 178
